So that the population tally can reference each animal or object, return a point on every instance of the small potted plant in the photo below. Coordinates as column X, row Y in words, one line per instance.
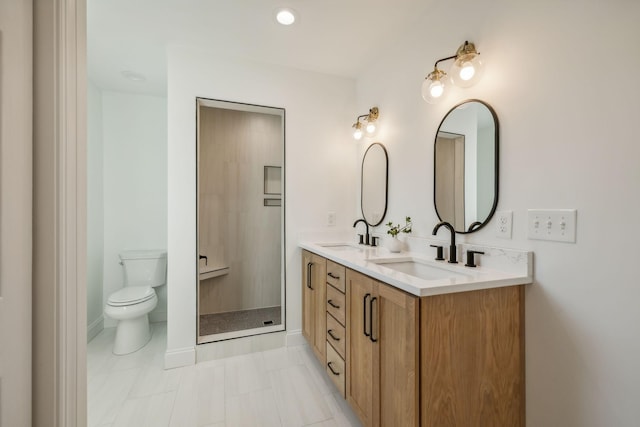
column 395, row 245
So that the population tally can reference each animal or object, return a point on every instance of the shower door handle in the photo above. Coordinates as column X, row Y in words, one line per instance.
column 309, row 264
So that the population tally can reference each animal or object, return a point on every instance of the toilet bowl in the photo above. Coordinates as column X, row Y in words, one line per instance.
column 131, row 305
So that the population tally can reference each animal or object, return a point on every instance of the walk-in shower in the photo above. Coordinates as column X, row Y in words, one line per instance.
column 240, row 210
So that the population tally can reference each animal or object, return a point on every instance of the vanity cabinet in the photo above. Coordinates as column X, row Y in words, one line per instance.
column 454, row 359
column 382, row 352
column 314, row 288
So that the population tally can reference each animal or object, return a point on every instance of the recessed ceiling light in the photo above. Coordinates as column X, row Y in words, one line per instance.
column 133, row 76
column 285, row 16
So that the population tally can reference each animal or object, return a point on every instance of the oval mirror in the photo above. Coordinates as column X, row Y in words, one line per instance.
column 373, row 185
column 466, row 166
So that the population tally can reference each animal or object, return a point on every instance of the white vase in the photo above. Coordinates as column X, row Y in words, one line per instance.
column 394, row 245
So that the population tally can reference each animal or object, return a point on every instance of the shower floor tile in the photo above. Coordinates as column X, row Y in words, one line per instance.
column 238, row 320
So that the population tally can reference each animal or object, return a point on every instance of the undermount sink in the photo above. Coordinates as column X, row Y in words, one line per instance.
column 418, row 268
column 342, row 247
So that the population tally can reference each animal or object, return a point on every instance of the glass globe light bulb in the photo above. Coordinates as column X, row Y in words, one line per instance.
column 357, row 134
column 370, row 128
column 436, row 89
column 433, row 87
column 467, row 71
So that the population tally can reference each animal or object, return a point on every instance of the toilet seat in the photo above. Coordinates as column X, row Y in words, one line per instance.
column 131, row 295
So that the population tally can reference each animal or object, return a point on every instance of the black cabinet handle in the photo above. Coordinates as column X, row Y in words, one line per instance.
column 364, row 314
column 330, row 332
column 333, row 304
column 309, row 264
column 331, row 369
column 333, row 276
column 371, row 318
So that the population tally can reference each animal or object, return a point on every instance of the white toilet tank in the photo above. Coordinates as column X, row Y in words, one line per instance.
column 144, row 267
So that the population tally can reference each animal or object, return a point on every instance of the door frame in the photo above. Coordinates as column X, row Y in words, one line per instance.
column 59, row 284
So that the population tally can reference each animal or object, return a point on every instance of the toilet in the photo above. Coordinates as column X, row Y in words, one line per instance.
column 130, row 306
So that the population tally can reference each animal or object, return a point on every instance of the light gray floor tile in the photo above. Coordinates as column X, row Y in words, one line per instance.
column 299, row 400
column 257, row 408
column 210, row 393
column 149, row 411
column 245, row 374
column 107, row 394
column 282, row 387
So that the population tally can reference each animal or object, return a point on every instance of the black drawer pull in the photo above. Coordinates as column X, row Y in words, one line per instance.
column 330, row 332
column 374, row 299
column 331, row 369
column 364, row 315
column 332, row 304
column 309, row 264
column 333, row 276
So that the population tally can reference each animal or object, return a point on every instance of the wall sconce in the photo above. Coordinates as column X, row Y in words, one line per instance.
column 465, row 71
column 368, row 127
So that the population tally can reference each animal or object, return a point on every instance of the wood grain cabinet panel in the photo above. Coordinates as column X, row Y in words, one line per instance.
column 336, row 369
column 336, row 335
column 382, row 332
column 336, row 275
column 472, row 358
column 336, row 304
column 314, row 319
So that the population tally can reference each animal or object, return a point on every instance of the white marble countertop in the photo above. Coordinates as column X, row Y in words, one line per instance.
column 498, row 267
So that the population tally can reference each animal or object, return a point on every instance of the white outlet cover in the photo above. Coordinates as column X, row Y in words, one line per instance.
column 558, row 225
column 504, row 224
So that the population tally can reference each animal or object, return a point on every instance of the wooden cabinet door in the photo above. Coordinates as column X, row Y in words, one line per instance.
column 395, row 357
column 359, row 346
column 314, row 286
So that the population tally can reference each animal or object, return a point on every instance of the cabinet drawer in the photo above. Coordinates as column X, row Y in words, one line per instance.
column 335, row 275
column 336, row 335
column 335, row 368
column 336, row 304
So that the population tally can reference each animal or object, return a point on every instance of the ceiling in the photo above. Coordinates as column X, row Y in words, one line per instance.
column 330, row 36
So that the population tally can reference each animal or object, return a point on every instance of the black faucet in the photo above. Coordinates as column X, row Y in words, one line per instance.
column 366, row 242
column 453, row 256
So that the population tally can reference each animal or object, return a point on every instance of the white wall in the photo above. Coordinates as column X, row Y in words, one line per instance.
column 135, row 183
column 565, row 88
column 95, row 212
column 320, row 176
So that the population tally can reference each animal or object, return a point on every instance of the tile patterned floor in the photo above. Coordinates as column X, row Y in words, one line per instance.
column 238, row 320
column 282, row 387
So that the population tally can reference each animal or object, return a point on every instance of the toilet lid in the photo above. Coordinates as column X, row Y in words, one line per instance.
column 131, row 295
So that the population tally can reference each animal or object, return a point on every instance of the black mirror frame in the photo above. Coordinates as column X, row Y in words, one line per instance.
column 474, row 226
column 386, row 184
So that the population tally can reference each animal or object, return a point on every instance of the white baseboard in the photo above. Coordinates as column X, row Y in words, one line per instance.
column 95, row 327
column 295, row 338
column 179, row 357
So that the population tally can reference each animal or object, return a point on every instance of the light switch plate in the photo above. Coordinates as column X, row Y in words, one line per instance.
column 504, row 224
column 557, row 225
